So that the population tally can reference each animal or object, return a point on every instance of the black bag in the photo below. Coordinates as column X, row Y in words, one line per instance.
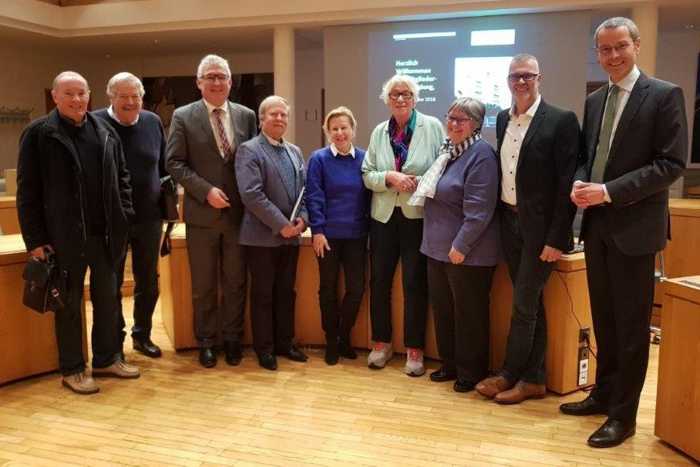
column 168, row 199
column 168, row 210
column 44, row 284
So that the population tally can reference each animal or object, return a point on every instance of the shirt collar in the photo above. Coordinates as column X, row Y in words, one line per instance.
column 211, row 107
column 335, row 151
column 271, row 140
column 111, row 113
column 628, row 82
column 531, row 111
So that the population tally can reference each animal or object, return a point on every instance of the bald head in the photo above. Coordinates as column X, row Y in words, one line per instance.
column 71, row 95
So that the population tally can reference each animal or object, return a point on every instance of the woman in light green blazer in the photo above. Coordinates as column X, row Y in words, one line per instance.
column 400, row 150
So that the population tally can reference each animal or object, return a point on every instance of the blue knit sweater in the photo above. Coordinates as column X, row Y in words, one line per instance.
column 336, row 197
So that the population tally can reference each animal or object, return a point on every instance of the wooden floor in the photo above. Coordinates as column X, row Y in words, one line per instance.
column 178, row 413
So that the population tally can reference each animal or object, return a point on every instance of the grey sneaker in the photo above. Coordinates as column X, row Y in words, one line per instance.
column 414, row 362
column 118, row 369
column 80, row 383
column 381, row 353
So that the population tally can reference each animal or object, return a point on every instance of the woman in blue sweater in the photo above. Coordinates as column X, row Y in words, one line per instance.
column 461, row 240
column 338, row 206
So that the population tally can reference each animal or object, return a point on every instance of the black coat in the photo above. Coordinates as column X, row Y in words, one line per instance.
column 543, row 177
column 647, row 154
column 50, row 192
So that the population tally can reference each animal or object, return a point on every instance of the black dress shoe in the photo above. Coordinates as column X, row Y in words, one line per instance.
column 146, row 347
column 443, row 374
column 331, row 357
column 346, row 351
column 612, row 433
column 462, row 385
column 267, row 361
column 588, row 406
column 207, row 357
column 233, row 352
column 294, row 354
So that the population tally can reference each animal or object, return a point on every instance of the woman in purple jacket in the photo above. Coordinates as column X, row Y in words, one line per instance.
column 461, row 241
column 338, row 206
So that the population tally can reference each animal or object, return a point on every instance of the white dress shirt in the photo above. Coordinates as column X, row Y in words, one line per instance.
column 625, row 84
column 510, row 150
column 228, row 125
column 335, row 151
column 110, row 112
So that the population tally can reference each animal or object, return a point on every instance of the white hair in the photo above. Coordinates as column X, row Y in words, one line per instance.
column 271, row 101
column 396, row 80
column 124, row 77
column 69, row 75
column 211, row 61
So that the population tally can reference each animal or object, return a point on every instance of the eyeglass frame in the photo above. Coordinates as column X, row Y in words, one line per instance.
column 527, row 77
column 459, row 121
column 214, row 78
column 406, row 96
column 606, row 51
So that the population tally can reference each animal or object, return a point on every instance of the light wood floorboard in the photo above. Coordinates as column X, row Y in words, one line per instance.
column 178, row 413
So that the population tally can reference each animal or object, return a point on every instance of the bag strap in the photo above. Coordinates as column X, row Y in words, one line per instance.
column 166, row 246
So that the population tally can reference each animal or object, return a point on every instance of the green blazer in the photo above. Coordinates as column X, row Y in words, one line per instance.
column 427, row 139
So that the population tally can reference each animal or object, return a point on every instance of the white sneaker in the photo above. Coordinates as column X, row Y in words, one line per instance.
column 380, row 354
column 414, row 362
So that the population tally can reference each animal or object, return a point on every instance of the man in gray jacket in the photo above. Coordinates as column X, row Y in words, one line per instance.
column 201, row 150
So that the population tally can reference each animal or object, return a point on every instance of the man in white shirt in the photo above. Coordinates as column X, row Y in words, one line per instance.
column 538, row 144
column 201, row 152
column 635, row 140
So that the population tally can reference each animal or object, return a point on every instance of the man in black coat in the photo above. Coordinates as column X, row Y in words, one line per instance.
column 74, row 199
column 635, row 146
column 537, row 146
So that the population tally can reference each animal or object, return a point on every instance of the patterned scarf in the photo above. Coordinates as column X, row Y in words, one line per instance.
column 448, row 152
column 400, row 140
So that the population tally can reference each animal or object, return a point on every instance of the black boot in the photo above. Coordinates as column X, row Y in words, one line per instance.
column 345, row 349
column 331, row 356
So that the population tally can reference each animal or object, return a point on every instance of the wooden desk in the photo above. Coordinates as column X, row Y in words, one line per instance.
column 27, row 338
column 566, row 300
column 176, row 299
column 682, row 253
column 678, row 393
column 9, row 223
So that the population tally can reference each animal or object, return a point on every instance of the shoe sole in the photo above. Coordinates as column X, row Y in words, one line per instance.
column 506, row 402
column 414, row 374
column 114, row 375
column 82, row 393
column 374, row 366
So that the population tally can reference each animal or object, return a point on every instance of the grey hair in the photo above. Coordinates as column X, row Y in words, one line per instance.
column 124, row 77
column 524, row 57
column 614, row 23
column 66, row 74
column 211, row 61
column 472, row 108
column 271, row 101
column 396, row 80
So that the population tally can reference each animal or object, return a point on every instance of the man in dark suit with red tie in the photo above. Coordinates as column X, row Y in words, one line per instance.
column 635, row 146
column 201, row 150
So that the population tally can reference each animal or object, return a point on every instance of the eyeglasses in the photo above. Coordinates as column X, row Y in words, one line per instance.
column 606, row 50
column 214, row 78
column 456, row 120
column 527, row 77
column 407, row 96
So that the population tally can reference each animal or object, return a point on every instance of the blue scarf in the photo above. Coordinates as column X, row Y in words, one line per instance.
column 401, row 140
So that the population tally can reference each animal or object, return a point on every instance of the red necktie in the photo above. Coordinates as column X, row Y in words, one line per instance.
column 225, row 144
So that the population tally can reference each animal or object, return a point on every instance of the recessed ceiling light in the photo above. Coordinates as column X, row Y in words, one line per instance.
column 689, row 26
column 156, row 41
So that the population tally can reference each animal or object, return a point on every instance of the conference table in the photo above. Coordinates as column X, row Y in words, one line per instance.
column 566, row 301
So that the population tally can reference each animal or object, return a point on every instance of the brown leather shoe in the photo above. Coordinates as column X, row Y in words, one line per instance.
column 80, row 383
column 493, row 385
column 118, row 369
column 520, row 392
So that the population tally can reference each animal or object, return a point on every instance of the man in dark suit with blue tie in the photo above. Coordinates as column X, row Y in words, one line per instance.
column 201, row 149
column 635, row 146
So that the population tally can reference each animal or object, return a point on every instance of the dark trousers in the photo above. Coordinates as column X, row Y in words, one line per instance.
column 350, row 254
column 527, row 340
column 621, row 289
column 103, row 294
column 216, row 265
column 398, row 238
column 144, row 240
column 273, row 272
column 460, row 298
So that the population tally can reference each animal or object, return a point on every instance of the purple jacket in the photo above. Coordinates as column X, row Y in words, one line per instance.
column 462, row 213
